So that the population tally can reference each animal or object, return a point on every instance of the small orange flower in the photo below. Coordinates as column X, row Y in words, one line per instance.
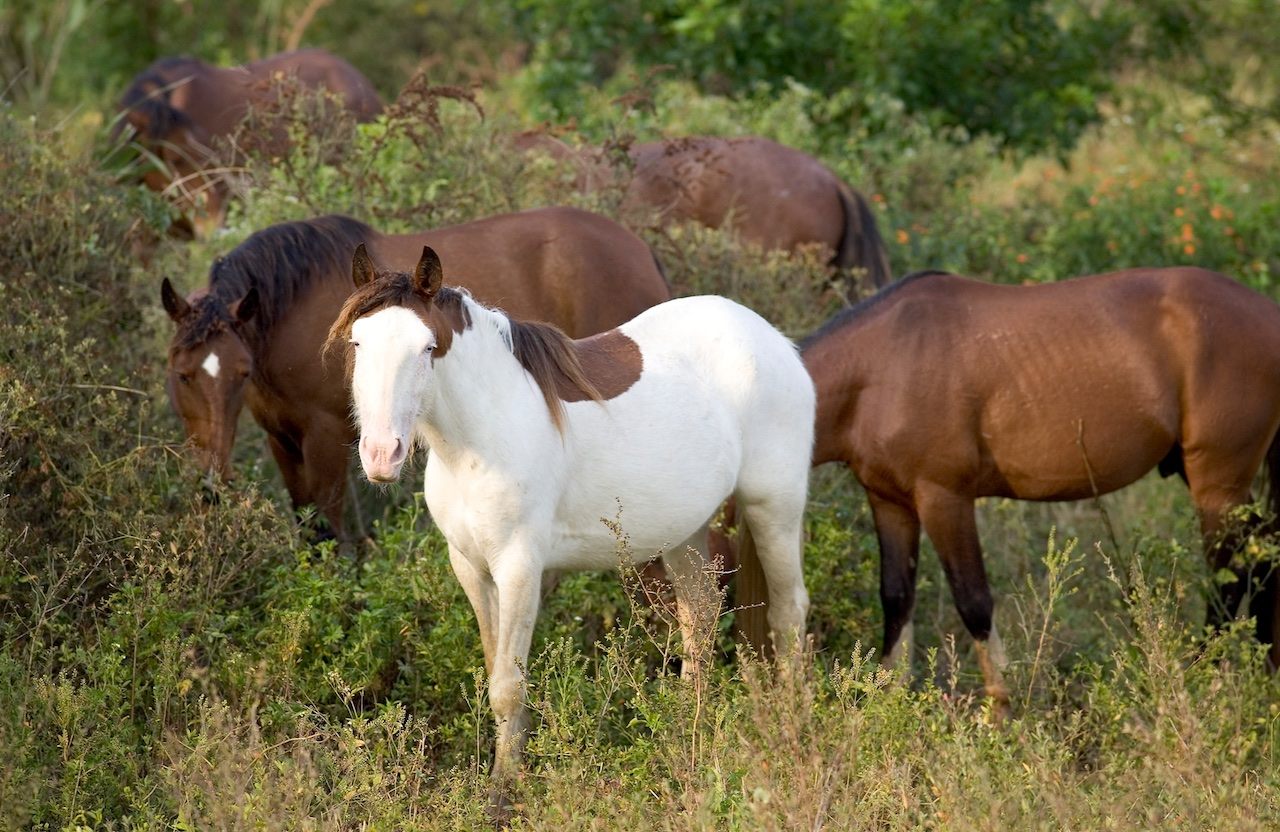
column 1177, row 212
column 1189, row 248
column 1182, row 190
column 1216, row 212
column 903, row 236
column 1229, row 231
column 877, row 197
column 1022, row 258
column 1093, row 200
column 1187, row 233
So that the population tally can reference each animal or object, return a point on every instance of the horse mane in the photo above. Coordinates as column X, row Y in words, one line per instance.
column 548, row 355
column 282, row 262
column 544, row 351
column 845, row 317
column 149, row 94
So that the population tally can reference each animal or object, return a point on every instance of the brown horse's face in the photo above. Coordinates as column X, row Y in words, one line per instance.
column 208, row 377
column 206, row 388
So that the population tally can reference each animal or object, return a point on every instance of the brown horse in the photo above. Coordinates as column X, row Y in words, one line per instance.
column 181, row 108
column 941, row 389
column 771, row 195
column 254, row 335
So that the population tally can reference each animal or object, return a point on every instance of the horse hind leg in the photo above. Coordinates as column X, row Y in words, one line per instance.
column 697, row 601
column 1218, row 486
column 948, row 519
column 898, row 532
column 776, row 526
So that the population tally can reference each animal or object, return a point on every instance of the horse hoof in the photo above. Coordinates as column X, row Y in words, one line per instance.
column 501, row 810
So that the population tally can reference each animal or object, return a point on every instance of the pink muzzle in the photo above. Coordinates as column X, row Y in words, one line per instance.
column 382, row 458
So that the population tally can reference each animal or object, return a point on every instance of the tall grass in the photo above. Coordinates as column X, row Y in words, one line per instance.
column 170, row 663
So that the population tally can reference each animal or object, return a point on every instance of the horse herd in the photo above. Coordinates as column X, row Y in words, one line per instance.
column 594, row 401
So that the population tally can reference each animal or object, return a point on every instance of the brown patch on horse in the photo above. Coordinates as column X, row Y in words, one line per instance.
column 551, row 357
column 610, row 361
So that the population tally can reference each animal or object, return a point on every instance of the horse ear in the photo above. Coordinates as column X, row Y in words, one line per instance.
column 176, row 305
column 429, row 275
column 244, row 309
column 362, row 271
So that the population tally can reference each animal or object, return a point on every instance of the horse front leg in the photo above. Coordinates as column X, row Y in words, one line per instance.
column 517, row 577
column 948, row 519
column 325, row 453
column 483, row 595
column 898, row 531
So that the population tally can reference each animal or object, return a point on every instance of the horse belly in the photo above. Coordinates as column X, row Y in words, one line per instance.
column 1073, row 453
column 656, row 475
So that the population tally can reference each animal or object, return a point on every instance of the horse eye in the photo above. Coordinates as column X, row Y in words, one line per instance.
column 430, row 348
column 184, row 378
column 355, row 343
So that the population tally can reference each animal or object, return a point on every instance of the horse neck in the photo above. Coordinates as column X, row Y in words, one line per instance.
column 485, row 403
column 833, row 362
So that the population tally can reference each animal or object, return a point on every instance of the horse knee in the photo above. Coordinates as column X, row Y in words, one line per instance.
column 787, row 616
column 506, row 695
column 976, row 608
column 898, row 599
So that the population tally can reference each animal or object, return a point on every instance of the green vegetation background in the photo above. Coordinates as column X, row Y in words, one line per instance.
column 167, row 664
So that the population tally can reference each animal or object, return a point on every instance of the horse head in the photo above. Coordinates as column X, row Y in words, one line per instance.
column 175, row 142
column 209, row 369
column 393, row 327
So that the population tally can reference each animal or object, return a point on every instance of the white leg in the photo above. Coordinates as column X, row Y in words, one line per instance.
column 992, row 660
column 518, row 587
column 777, row 529
column 899, row 657
column 697, row 600
column 483, row 596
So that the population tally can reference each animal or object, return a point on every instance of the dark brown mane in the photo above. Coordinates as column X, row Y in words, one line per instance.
column 858, row 309
column 549, row 356
column 281, row 262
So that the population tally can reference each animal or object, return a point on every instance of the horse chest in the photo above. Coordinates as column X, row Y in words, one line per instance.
column 479, row 508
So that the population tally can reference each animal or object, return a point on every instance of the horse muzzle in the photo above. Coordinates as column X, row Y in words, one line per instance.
column 382, row 458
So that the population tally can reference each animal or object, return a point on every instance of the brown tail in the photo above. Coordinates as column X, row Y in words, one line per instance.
column 860, row 244
column 751, row 597
column 1265, row 604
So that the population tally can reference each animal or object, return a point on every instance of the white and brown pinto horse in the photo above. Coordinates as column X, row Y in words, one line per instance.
column 537, row 442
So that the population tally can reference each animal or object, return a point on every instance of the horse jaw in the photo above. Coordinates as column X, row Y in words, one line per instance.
column 391, row 380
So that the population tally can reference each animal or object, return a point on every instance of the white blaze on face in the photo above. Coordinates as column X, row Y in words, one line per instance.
column 211, row 364
column 389, row 382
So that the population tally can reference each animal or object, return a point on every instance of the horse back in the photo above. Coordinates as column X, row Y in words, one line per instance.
column 577, row 270
column 319, row 69
column 774, row 196
column 1006, row 390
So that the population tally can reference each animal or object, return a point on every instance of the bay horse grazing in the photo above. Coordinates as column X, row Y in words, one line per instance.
column 771, row 195
column 180, row 107
column 941, row 389
column 537, row 440
column 253, row 336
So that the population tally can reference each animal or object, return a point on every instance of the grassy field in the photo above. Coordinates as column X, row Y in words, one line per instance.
column 170, row 664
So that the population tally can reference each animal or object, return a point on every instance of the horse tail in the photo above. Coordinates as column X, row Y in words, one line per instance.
column 860, row 244
column 657, row 264
column 1265, row 604
column 751, row 595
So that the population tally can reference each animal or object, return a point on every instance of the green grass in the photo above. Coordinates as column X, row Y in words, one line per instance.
column 169, row 664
